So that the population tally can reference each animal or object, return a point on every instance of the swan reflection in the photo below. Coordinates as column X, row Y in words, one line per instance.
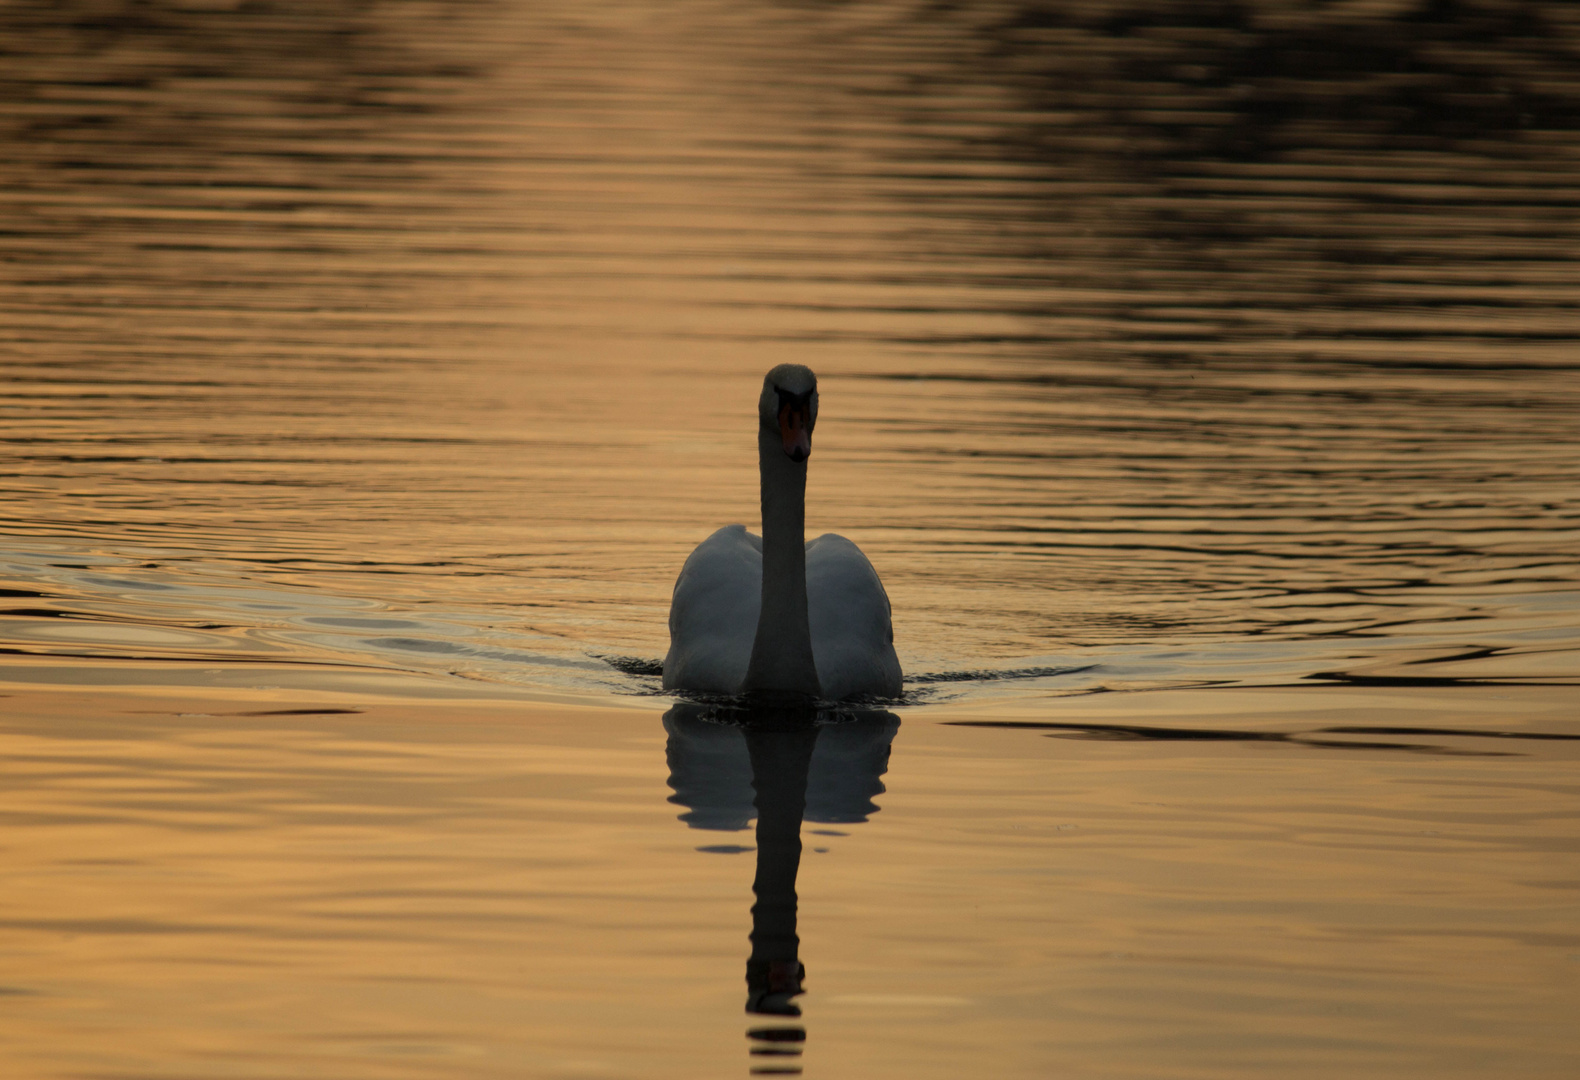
column 781, row 765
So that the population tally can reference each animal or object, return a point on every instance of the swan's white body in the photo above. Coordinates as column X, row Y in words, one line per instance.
column 718, row 599
column 733, row 628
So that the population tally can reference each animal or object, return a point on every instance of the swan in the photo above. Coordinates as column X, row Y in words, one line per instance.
column 774, row 613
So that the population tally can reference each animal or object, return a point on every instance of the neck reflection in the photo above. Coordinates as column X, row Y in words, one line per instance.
column 782, row 765
column 781, row 762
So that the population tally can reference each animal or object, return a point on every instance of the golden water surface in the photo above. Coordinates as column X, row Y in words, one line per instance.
column 1203, row 380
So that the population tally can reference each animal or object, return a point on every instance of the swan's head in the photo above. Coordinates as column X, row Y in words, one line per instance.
column 789, row 406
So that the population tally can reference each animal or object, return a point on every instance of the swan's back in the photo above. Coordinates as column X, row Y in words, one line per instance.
column 852, row 633
column 718, row 596
column 713, row 615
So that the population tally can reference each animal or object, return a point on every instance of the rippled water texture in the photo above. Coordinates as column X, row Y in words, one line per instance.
column 1179, row 327
column 356, row 353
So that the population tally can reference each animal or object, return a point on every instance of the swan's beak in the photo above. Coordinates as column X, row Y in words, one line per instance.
column 795, row 428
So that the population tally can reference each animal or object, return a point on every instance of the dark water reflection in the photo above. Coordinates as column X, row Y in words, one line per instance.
column 1194, row 341
column 1160, row 344
column 784, row 766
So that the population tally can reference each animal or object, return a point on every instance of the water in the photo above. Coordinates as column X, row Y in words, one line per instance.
column 360, row 357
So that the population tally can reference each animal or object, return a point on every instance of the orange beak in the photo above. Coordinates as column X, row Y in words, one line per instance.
column 795, row 428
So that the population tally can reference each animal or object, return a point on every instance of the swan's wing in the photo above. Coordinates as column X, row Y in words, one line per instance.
column 852, row 635
column 713, row 615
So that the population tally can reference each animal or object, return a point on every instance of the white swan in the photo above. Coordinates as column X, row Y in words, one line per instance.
column 774, row 613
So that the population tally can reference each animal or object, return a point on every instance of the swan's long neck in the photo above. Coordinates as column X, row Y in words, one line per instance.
column 782, row 652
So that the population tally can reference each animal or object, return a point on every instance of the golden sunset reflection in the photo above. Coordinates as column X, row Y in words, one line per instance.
column 1199, row 378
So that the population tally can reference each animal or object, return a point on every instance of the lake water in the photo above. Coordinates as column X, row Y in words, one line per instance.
column 1204, row 382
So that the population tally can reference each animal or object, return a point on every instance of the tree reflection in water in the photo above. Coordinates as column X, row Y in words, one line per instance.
column 782, row 764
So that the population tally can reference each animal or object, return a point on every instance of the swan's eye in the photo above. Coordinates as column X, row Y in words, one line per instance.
column 795, row 424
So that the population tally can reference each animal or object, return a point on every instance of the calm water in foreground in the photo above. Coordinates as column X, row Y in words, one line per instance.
column 1203, row 382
